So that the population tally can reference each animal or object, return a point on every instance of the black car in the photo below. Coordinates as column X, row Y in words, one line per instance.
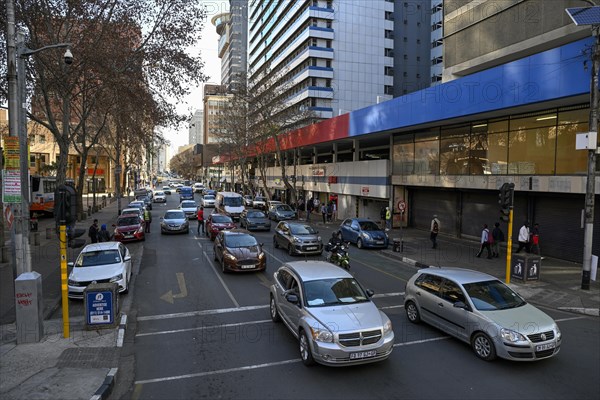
column 147, row 201
column 254, row 220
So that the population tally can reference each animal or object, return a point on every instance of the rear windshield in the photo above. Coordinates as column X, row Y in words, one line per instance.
column 209, row 197
column 128, row 221
column 188, row 204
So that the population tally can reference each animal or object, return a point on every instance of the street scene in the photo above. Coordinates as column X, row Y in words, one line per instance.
column 326, row 199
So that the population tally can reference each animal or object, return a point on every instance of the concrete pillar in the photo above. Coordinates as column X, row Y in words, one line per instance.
column 29, row 304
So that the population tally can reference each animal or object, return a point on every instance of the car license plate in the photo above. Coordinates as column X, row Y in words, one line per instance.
column 128, row 236
column 363, row 354
column 545, row 346
column 379, row 242
column 311, row 248
column 248, row 266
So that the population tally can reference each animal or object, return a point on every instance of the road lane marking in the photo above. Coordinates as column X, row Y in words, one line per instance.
column 257, row 366
column 201, row 328
column 220, row 371
column 219, row 277
column 568, row 319
column 169, row 296
column 390, row 307
column 200, row 312
column 393, row 294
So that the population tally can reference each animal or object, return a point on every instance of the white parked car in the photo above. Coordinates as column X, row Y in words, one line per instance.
column 101, row 263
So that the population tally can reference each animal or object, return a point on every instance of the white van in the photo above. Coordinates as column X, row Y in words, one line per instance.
column 229, row 203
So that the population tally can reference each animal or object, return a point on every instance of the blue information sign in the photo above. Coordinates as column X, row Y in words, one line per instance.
column 100, row 308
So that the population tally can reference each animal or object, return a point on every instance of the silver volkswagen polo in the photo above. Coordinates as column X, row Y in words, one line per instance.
column 481, row 310
column 332, row 316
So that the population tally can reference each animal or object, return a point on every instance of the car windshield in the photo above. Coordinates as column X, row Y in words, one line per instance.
column 493, row 295
column 208, row 197
column 233, row 201
column 329, row 292
column 159, row 193
column 235, row 241
column 369, row 226
column 166, row 188
column 221, row 219
column 131, row 211
column 256, row 214
column 175, row 215
column 284, row 207
column 188, row 204
column 127, row 221
column 100, row 257
column 302, row 229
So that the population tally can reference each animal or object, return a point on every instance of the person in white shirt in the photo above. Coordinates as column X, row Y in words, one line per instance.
column 485, row 242
column 523, row 238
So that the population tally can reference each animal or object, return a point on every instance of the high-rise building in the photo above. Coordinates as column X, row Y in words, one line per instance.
column 437, row 41
column 232, row 28
column 215, row 97
column 338, row 56
column 196, row 128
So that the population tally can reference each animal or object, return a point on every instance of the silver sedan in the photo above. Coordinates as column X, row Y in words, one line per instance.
column 479, row 309
column 332, row 316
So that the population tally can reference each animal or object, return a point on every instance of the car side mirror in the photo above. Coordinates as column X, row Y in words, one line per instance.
column 127, row 258
column 460, row 304
column 292, row 298
column 370, row 292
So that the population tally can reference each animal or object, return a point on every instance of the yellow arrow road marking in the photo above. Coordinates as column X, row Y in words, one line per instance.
column 169, row 296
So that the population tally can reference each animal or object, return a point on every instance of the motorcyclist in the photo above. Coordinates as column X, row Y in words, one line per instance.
column 333, row 244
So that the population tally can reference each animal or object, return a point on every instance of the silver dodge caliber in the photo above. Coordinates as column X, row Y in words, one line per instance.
column 332, row 316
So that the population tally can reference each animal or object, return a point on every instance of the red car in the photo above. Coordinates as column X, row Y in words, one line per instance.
column 216, row 223
column 129, row 228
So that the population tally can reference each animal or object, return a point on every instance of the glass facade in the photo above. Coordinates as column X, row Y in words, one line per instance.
column 532, row 144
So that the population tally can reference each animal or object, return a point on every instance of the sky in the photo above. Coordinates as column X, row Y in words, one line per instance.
column 207, row 47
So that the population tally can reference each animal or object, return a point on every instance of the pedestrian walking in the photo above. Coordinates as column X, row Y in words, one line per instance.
column 301, row 206
column 334, row 214
column 329, row 211
column 93, row 232
column 388, row 219
column 498, row 236
column 324, row 212
column 434, row 230
column 309, row 208
column 200, row 215
column 382, row 216
column 535, row 239
column 147, row 219
column 523, row 238
column 104, row 235
column 486, row 239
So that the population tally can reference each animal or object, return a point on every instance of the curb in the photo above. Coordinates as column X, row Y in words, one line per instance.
column 122, row 327
column 106, row 388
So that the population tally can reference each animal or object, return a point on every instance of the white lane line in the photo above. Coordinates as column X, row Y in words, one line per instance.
column 422, row 341
column 376, row 296
column 220, row 371
column 201, row 328
column 219, row 277
column 257, row 366
column 200, row 312
column 568, row 319
column 390, row 307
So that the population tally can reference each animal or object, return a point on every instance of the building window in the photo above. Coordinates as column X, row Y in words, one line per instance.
column 436, row 26
column 437, row 43
column 387, row 89
column 389, row 52
column 329, row 23
column 418, row 58
column 406, row 56
column 389, row 71
column 389, row 15
column 389, row 34
column 32, row 161
column 42, row 139
column 405, row 74
column 405, row 39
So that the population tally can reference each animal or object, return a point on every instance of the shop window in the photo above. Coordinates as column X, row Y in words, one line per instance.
column 404, row 158
column 427, row 157
column 531, row 151
column 569, row 161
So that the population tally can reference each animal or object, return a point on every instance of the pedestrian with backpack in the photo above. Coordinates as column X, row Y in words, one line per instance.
column 434, row 230
column 486, row 237
column 498, row 237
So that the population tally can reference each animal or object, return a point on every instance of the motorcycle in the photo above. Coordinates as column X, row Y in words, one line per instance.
column 339, row 256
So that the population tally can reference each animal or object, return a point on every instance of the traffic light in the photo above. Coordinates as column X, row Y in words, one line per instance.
column 65, row 205
column 506, row 200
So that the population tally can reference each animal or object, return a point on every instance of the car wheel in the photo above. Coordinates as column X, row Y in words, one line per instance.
column 359, row 243
column 275, row 244
column 412, row 312
column 483, row 346
column 126, row 287
column 305, row 353
column 291, row 250
column 273, row 308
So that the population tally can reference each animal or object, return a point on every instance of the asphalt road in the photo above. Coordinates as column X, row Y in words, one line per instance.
column 198, row 333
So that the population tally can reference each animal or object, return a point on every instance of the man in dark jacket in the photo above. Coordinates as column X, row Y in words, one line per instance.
column 93, row 232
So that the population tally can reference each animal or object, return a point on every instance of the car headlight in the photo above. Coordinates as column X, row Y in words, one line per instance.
column 511, row 336
column 261, row 256
column 387, row 327
column 140, row 229
column 296, row 240
column 318, row 238
column 321, row 335
column 365, row 235
column 116, row 278
column 230, row 256
column 72, row 282
column 558, row 333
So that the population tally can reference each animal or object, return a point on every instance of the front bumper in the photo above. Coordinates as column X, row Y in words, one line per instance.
column 334, row 354
column 527, row 352
column 174, row 229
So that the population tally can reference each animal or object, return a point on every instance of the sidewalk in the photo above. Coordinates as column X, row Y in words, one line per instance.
column 82, row 366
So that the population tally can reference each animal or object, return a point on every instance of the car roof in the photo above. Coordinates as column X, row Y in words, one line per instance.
column 237, row 232
column 100, row 246
column 311, row 270
column 128, row 215
column 460, row 275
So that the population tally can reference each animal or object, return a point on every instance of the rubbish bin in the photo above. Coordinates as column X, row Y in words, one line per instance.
column 398, row 245
column 526, row 267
